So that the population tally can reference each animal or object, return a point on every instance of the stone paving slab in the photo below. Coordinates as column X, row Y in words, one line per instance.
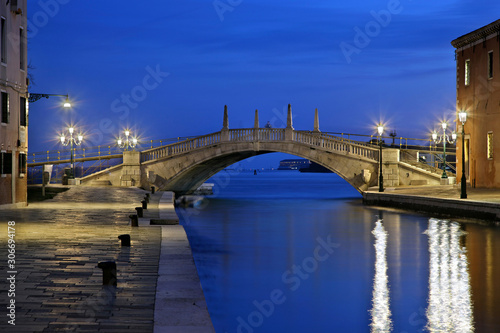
column 59, row 243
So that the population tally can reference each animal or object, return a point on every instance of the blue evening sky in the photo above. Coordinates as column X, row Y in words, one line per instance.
column 167, row 68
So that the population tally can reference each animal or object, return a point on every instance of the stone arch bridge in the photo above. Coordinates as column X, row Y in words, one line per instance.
column 183, row 166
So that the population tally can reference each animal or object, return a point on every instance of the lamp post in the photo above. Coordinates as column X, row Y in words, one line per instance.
column 33, row 97
column 380, row 130
column 72, row 141
column 462, row 116
column 128, row 142
column 444, row 138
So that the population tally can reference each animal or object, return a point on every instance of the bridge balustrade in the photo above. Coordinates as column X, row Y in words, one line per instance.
column 271, row 134
column 332, row 143
column 241, row 134
column 256, row 134
column 208, row 140
column 180, row 147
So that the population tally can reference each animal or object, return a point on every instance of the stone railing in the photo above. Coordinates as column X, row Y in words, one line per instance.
column 320, row 140
column 241, row 135
column 180, row 147
column 271, row 134
column 332, row 143
column 256, row 134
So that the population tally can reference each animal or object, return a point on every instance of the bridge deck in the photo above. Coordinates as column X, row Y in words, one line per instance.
column 337, row 142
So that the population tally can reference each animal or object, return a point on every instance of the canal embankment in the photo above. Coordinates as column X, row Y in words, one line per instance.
column 180, row 304
column 440, row 200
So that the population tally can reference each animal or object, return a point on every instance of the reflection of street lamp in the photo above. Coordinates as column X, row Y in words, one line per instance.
column 129, row 142
column 380, row 130
column 438, row 138
column 71, row 140
column 462, row 116
column 35, row 97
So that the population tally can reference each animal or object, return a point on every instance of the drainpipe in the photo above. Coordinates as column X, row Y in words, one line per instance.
column 14, row 175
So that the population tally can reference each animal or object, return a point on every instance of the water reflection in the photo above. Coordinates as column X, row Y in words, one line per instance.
column 450, row 306
column 380, row 312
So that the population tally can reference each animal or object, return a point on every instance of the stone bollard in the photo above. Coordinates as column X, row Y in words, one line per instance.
column 134, row 221
column 147, row 197
column 152, row 190
column 139, row 211
column 125, row 239
column 108, row 272
column 144, row 204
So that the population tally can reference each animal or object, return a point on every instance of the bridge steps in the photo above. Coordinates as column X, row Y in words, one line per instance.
column 100, row 182
column 429, row 168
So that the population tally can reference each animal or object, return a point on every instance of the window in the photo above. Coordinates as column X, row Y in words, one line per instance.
column 21, row 49
column 490, row 146
column 22, row 163
column 3, row 41
column 23, row 121
column 13, row 5
column 5, row 163
column 490, row 64
column 5, row 107
column 467, row 72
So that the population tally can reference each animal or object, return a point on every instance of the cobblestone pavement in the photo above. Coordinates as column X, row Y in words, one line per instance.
column 58, row 244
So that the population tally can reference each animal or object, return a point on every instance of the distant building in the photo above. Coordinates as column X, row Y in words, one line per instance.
column 294, row 164
column 315, row 168
column 478, row 91
column 13, row 103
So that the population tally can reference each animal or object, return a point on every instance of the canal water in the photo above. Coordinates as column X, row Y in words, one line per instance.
column 284, row 251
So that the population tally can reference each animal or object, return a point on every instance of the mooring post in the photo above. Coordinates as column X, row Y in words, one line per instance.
column 108, row 273
column 134, row 221
column 125, row 239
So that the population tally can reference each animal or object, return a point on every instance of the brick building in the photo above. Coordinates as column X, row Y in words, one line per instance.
column 478, row 92
column 13, row 103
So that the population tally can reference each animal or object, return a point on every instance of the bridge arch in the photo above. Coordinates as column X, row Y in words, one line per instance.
column 183, row 172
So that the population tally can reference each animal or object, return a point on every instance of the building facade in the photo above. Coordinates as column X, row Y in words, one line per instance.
column 478, row 92
column 13, row 103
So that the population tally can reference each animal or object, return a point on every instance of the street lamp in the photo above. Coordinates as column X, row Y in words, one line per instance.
column 33, row 97
column 71, row 140
column 462, row 116
column 128, row 142
column 438, row 138
column 380, row 130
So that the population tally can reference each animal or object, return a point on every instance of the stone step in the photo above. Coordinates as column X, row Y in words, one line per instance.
column 429, row 168
column 419, row 182
column 101, row 182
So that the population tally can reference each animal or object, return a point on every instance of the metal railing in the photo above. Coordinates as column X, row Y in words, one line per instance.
column 432, row 157
column 89, row 153
column 410, row 148
column 80, row 154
